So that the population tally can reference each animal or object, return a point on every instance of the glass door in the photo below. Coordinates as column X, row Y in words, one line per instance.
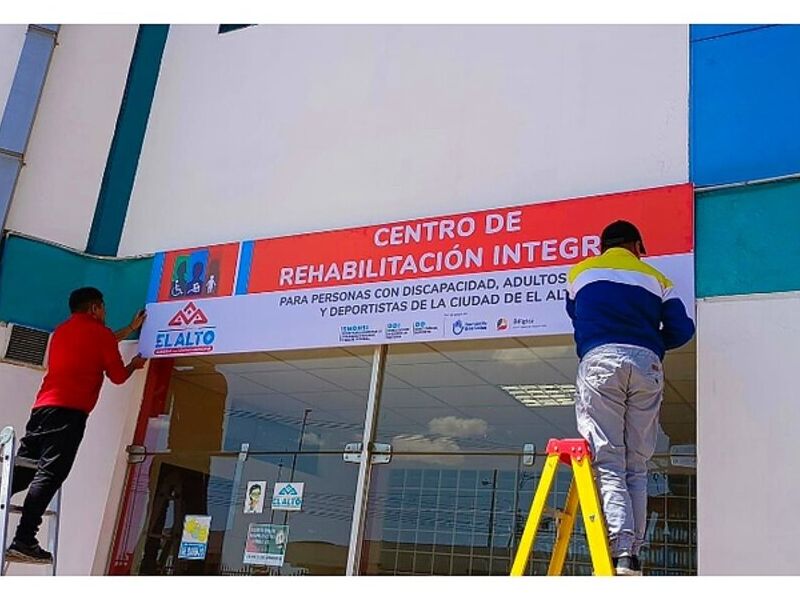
column 247, row 455
column 461, row 419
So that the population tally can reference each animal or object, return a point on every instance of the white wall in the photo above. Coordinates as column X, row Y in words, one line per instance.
column 19, row 386
column 275, row 130
column 12, row 37
column 747, row 473
column 93, row 490
column 58, row 187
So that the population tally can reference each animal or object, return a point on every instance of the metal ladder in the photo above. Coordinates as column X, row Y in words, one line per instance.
column 8, row 460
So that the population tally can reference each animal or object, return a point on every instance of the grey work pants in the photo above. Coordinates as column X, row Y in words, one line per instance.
column 620, row 388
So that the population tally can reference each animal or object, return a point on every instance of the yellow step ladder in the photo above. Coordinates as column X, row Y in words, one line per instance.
column 583, row 492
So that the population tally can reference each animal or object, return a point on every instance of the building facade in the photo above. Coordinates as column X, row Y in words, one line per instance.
column 122, row 145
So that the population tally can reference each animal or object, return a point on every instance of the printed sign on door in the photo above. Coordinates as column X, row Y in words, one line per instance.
column 194, row 540
column 288, row 496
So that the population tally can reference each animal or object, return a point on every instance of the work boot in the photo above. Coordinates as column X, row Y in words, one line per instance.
column 28, row 553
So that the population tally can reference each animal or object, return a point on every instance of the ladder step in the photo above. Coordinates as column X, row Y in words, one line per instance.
column 25, row 463
column 17, row 558
column 16, row 508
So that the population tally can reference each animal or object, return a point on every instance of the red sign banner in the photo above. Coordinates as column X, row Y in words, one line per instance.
column 485, row 274
column 537, row 235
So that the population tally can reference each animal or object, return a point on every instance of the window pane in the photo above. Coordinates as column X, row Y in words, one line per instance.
column 266, row 400
column 167, row 488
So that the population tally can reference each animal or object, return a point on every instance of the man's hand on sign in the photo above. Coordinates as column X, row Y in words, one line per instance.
column 132, row 327
column 138, row 320
column 138, row 362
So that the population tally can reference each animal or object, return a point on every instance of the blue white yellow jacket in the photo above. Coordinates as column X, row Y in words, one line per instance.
column 615, row 298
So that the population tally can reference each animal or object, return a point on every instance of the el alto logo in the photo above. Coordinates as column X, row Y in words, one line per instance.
column 287, row 498
column 189, row 333
column 189, row 315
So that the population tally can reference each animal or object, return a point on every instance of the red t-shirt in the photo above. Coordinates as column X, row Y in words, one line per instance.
column 81, row 351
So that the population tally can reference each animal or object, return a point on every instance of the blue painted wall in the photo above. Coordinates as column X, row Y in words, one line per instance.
column 744, row 95
column 704, row 32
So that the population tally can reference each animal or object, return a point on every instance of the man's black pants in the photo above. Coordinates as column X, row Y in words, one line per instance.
column 52, row 437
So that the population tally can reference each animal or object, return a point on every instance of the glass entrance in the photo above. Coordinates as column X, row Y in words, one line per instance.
column 467, row 423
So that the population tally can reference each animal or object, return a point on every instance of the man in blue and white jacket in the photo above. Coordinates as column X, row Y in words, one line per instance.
column 626, row 315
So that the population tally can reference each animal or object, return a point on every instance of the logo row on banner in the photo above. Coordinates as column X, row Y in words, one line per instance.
column 486, row 274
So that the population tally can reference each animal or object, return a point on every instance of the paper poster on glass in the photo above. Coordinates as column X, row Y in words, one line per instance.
column 266, row 544
column 254, row 497
column 288, row 496
column 194, row 540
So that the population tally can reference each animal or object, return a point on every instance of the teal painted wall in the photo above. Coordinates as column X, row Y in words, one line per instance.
column 748, row 239
column 36, row 279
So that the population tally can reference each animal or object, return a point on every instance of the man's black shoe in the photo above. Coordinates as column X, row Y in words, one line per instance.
column 636, row 565
column 28, row 553
column 627, row 565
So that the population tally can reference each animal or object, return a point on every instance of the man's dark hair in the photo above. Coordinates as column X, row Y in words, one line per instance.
column 620, row 233
column 82, row 299
column 255, row 486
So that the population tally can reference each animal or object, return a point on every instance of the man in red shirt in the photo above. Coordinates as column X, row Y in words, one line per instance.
column 82, row 351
